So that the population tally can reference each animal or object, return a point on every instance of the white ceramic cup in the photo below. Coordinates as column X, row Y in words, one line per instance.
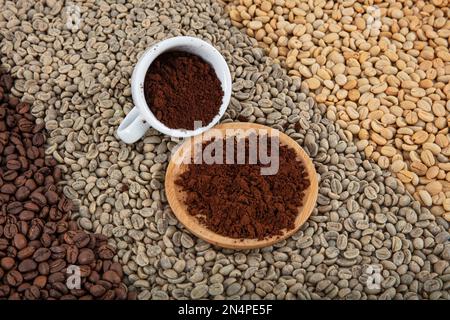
column 141, row 118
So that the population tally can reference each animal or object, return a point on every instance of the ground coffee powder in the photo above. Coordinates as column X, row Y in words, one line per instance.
column 181, row 88
column 235, row 200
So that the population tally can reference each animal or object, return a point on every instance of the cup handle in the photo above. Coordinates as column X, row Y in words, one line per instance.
column 133, row 127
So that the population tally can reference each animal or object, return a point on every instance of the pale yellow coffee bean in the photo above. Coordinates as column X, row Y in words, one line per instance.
column 434, row 187
column 425, row 116
column 387, row 133
column 388, row 151
column 432, row 172
column 383, row 162
column 427, row 158
column 434, row 148
column 397, row 165
column 405, row 176
column 444, row 166
column 442, row 140
column 266, row 6
column 378, row 139
column 420, row 137
column 407, row 105
column 446, row 204
column 425, row 197
column 255, row 25
column 418, row 168
column 313, row 83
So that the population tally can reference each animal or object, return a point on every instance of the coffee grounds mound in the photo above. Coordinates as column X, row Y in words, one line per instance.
column 44, row 255
column 181, row 88
column 236, row 201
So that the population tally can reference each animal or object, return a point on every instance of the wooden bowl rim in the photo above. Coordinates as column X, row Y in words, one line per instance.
column 195, row 227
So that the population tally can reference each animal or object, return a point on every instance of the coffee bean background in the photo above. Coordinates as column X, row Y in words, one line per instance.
column 76, row 80
column 38, row 242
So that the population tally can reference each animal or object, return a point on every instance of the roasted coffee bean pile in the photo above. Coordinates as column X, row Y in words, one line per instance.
column 38, row 243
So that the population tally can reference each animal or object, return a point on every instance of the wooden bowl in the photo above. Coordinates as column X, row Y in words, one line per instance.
column 175, row 195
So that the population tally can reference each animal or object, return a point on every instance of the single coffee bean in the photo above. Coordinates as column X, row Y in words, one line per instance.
column 4, row 291
column 57, row 265
column 10, row 230
column 20, row 241
column 56, row 277
column 38, row 139
column 106, row 252
column 61, row 287
column 52, row 197
column 34, row 232
column 14, row 278
column 58, row 252
column 32, row 153
column 38, row 198
column 42, row 254
column 97, row 290
column 22, row 193
column 30, row 275
column 14, row 207
column 65, row 205
column 86, row 256
column 27, row 265
column 7, row 263
column 13, row 165
column 10, row 175
column 26, row 215
column 81, row 239
column 32, row 293
column 72, row 254
column 40, row 282
column 8, row 188
column 112, row 277
column 44, row 268
column 31, row 206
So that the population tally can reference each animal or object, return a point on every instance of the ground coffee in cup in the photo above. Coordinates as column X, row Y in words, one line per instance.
column 181, row 88
column 237, row 201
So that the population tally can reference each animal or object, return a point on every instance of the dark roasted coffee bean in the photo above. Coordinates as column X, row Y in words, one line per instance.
column 57, row 265
column 38, row 139
column 26, row 253
column 14, row 207
column 56, row 277
column 42, row 254
column 32, row 153
column 61, row 287
column 94, row 277
column 10, row 230
column 10, row 175
column 4, row 291
column 72, row 254
column 58, row 252
column 81, row 239
column 13, row 165
column 65, row 205
column 30, row 275
column 32, row 293
column 31, row 185
column 44, row 268
column 52, row 197
column 85, row 271
column 7, row 263
column 86, row 256
column 20, row 241
column 38, row 198
column 22, row 193
column 26, row 215
column 39, row 178
column 3, row 244
column 27, row 265
column 117, row 268
column 34, row 232
column 105, row 284
column 14, row 278
column 112, row 277
column 106, row 252
column 8, row 188
column 97, row 290
column 40, row 281
column 31, row 206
